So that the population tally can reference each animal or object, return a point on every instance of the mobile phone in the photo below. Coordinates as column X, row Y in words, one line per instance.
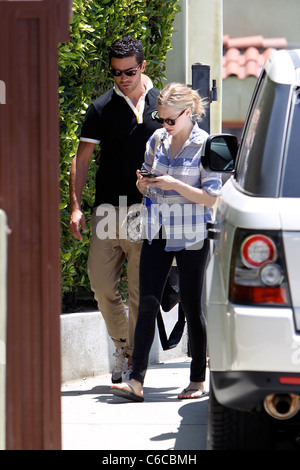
column 147, row 174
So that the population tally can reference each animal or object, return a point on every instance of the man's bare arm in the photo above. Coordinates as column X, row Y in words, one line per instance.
column 78, row 176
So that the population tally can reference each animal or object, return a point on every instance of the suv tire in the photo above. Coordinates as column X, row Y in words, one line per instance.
column 230, row 429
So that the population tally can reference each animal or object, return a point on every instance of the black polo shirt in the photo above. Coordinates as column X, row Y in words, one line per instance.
column 111, row 121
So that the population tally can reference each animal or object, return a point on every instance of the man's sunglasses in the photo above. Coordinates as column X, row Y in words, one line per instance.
column 170, row 122
column 129, row 72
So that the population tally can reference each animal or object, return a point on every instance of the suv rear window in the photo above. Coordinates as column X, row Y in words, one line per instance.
column 260, row 158
column 291, row 173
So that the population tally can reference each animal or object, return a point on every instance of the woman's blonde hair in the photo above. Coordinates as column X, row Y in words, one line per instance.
column 181, row 97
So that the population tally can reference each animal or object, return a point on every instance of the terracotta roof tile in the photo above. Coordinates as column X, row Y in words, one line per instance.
column 246, row 56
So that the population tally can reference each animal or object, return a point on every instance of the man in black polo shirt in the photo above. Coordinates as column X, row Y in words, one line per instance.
column 121, row 121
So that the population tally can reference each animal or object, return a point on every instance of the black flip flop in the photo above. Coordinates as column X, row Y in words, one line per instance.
column 203, row 394
column 121, row 392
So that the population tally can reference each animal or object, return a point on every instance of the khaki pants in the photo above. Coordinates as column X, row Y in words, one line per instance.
column 105, row 261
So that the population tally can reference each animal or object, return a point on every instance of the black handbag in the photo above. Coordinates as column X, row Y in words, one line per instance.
column 171, row 297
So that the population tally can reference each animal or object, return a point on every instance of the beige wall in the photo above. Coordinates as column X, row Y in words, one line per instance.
column 176, row 63
column 236, row 98
column 198, row 39
column 200, row 26
column 270, row 18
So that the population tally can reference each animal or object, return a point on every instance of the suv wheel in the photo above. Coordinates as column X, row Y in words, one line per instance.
column 230, row 429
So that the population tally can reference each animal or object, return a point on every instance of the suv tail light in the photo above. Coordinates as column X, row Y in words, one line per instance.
column 258, row 249
column 258, row 272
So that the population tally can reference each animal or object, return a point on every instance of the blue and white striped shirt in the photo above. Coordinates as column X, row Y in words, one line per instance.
column 183, row 221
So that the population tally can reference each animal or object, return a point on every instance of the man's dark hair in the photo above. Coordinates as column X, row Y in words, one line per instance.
column 127, row 47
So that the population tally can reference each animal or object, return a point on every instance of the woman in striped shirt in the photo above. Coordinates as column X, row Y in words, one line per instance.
column 179, row 202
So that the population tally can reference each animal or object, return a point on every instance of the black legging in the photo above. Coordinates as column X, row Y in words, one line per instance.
column 155, row 264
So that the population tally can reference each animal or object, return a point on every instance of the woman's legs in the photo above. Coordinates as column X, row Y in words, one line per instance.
column 191, row 266
column 154, row 267
column 155, row 264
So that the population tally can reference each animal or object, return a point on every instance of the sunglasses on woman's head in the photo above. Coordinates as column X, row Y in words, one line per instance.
column 169, row 121
column 129, row 72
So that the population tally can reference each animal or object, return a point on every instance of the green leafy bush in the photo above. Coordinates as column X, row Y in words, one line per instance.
column 84, row 75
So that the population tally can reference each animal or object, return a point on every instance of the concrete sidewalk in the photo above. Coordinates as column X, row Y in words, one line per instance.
column 94, row 419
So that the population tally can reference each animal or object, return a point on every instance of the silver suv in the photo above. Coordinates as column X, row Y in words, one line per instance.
column 253, row 277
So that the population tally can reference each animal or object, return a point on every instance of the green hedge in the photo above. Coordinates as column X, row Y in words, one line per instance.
column 84, row 75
